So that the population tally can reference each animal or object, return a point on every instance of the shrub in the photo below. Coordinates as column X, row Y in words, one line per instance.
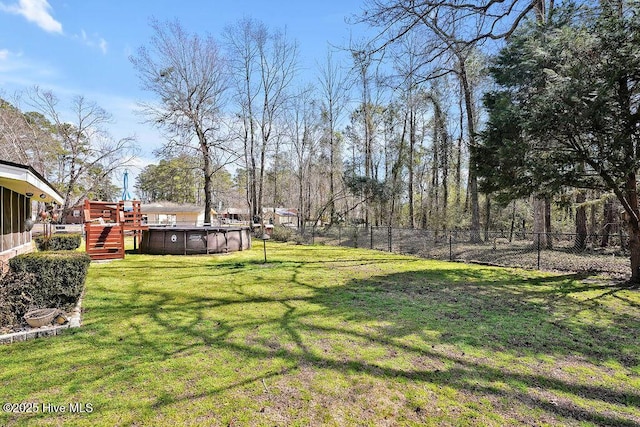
column 60, row 276
column 58, row 242
column 15, row 296
column 280, row 233
column 42, row 242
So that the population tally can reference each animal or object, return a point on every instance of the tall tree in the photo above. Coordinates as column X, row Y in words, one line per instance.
column 243, row 41
column 333, row 93
column 265, row 63
column 27, row 138
column 88, row 155
column 303, row 126
column 572, row 86
column 173, row 180
column 407, row 60
column 443, row 22
column 189, row 76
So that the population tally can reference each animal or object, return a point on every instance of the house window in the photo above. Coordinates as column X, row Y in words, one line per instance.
column 76, row 213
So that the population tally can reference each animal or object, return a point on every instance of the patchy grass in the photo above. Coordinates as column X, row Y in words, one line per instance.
column 333, row 336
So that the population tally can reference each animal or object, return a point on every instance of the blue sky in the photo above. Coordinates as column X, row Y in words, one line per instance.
column 81, row 47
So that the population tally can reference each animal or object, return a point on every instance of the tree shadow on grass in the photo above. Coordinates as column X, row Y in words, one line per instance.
column 448, row 310
column 426, row 326
column 511, row 315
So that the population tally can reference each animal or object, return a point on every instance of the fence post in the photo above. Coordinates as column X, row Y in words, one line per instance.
column 339, row 235
column 450, row 247
column 390, row 239
column 313, row 235
column 538, row 251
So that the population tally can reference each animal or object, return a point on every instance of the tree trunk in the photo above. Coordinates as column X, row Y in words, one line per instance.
column 444, row 160
column 434, row 200
column 332, row 168
column 539, row 227
column 473, row 179
column 459, row 151
column 263, row 155
column 581, row 222
column 207, row 170
column 301, row 210
column 608, row 223
column 633, row 223
column 252, row 172
column 513, row 221
column 547, row 222
column 487, row 217
column 412, row 144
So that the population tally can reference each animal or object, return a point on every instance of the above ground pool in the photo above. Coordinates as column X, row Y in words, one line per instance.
column 194, row 240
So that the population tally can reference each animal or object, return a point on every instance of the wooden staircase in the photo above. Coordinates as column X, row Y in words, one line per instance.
column 104, row 233
column 105, row 224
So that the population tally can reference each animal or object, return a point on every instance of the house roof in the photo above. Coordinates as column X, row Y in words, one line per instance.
column 281, row 211
column 286, row 212
column 170, row 208
column 25, row 180
column 235, row 211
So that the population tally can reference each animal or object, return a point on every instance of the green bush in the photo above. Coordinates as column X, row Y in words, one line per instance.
column 280, row 233
column 15, row 297
column 58, row 242
column 60, row 276
column 42, row 242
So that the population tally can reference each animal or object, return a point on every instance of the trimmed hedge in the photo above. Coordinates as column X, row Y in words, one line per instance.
column 60, row 277
column 58, row 242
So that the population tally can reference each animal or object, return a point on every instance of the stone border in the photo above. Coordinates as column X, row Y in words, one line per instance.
column 75, row 321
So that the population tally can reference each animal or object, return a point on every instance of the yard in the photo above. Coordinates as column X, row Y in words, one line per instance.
column 325, row 335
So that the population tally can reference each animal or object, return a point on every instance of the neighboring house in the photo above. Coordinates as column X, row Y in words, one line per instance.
column 287, row 216
column 281, row 216
column 167, row 213
column 231, row 215
column 19, row 186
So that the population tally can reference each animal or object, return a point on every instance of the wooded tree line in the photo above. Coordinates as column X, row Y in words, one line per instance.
column 480, row 115
column 360, row 140
column 453, row 115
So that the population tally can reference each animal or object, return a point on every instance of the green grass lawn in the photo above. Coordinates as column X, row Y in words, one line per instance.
column 333, row 336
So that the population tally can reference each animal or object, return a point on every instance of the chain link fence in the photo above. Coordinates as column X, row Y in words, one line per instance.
column 565, row 252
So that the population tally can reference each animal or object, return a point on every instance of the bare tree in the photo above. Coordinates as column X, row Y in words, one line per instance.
column 333, row 93
column 26, row 137
column 88, row 155
column 265, row 64
column 189, row 76
column 406, row 61
column 482, row 20
column 242, row 41
column 303, row 129
column 443, row 21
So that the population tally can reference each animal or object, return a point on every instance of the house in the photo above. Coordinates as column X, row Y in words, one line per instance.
column 233, row 215
column 168, row 213
column 281, row 216
column 19, row 186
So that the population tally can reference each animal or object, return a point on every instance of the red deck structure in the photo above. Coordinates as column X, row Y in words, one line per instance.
column 105, row 224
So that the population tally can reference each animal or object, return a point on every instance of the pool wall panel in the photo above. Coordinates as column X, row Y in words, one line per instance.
column 197, row 240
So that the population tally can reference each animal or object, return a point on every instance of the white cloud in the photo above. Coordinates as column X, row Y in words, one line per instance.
column 18, row 72
column 103, row 46
column 93, row 41
column 36, row 11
